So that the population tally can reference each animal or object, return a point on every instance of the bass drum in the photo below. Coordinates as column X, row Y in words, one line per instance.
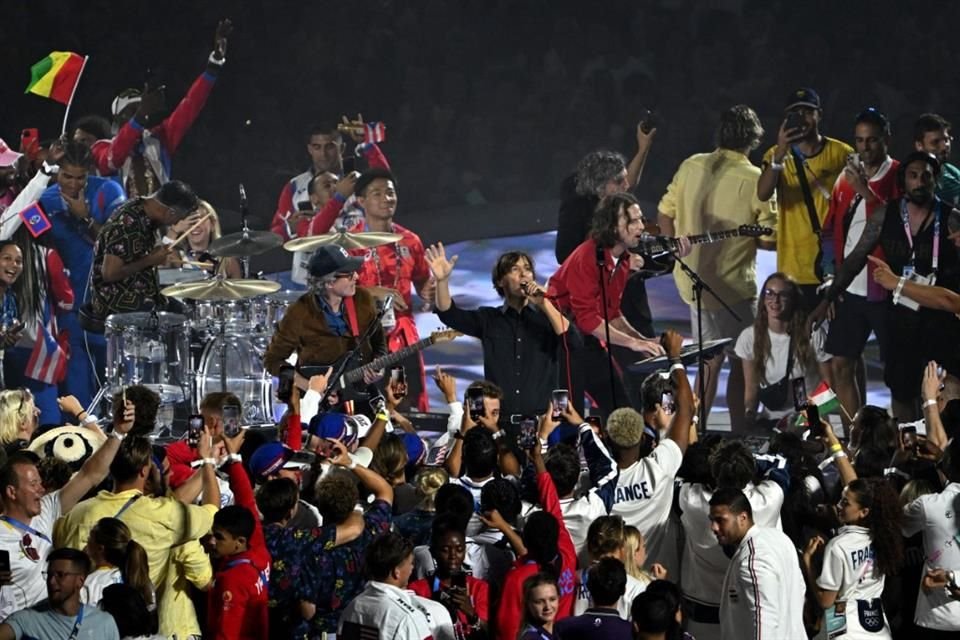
column 242, row 361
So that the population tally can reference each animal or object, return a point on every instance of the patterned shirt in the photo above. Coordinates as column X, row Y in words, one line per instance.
column 308, row 565
column 129, row 235
column 400, row 265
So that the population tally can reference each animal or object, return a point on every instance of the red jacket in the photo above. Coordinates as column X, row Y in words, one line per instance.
column 111, row 154
column 295, row 191
column 510, row 611
column 575, row 287
column 477, row 589
column 237, row 603
column 834, row 234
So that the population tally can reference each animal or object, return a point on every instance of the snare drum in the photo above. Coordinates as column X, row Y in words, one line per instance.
column 276, row 306
column 234, row 363
column 149, row 349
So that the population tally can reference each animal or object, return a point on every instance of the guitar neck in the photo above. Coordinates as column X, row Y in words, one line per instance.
column 388, row 360
column 714, row 236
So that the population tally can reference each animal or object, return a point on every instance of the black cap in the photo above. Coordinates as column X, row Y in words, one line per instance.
column 922, row 156
column 332, row 258
column 178, row 196
column 804, row 97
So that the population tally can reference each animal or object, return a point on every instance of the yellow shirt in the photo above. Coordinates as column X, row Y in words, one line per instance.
column 797, row 245
column 158, row 524
column 717, row 191
column 190, row 564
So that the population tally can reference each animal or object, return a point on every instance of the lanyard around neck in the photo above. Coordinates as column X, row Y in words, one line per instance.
column 905, row 217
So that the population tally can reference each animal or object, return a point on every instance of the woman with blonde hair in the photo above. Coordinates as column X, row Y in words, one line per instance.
column 195, row 249
column 18, row 418
column 415, row 524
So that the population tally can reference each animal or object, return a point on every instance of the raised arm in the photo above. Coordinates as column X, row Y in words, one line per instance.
column 680, row 426
column 97, row 467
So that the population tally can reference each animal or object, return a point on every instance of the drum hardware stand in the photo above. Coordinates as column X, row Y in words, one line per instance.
column 699, row 286
column 244, row 212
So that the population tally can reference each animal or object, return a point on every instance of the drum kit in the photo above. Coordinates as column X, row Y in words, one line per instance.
column 218, row 345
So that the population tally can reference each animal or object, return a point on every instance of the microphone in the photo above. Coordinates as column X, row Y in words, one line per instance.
column 387, row 303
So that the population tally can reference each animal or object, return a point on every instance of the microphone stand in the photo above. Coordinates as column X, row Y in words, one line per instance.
column 601, row 260
column 699, row 286
column 244, row 212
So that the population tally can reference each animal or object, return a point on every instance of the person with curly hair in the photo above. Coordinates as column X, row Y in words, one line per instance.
column 777, row 349
column 868, row 548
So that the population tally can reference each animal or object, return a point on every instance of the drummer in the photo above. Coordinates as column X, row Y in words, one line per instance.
column 127, row 253
column 194, row 252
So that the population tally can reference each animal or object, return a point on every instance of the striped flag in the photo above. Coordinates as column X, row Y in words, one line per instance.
column 48, row 360
column 56, row 76
column 825, row 399
column 374, row 132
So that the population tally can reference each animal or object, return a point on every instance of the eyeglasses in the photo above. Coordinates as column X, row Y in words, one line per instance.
column 770, row 294
column 348, row 274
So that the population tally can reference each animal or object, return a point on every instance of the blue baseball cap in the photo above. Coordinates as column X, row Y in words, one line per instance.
column 416, row 449
column 803, row 97
column 271, row 457
column 338, row 426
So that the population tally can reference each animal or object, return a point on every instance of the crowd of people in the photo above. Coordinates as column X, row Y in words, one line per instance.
column 572, row 492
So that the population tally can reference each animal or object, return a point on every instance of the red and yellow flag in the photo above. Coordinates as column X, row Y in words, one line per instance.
column 56, row 76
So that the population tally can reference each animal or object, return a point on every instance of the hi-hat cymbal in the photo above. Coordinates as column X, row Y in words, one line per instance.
column 244, row 243
column 221, row 289
column 344, row 239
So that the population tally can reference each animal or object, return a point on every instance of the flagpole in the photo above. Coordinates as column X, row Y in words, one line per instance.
column 66, row 114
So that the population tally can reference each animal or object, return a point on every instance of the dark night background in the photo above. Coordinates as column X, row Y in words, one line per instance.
column 489, row 104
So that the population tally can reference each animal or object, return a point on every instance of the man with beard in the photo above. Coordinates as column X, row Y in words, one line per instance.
column 867, row 183
column 576, row 288
column 800, row 170
column 931, row 133
column 917, row 234
column 62, row 614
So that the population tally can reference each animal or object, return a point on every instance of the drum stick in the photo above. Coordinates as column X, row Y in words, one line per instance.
column 199, row 265
column 187, row 232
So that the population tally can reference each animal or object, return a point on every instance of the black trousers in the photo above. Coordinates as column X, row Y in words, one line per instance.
column 589, row 374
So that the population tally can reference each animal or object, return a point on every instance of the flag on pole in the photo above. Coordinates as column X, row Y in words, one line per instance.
column 374, row 132
column 48, row 359
column 56, row 76
column 825, row 399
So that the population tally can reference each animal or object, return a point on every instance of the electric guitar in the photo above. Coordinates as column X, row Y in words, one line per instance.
column 659, row 249
column 355, row 375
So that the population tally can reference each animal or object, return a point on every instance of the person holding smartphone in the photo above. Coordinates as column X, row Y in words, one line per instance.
column 466, row 597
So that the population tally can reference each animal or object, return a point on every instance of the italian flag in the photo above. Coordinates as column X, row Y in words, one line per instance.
column 56, row 76
column 825, row 399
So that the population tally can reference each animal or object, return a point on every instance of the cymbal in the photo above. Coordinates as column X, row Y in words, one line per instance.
column 221, row 289
column 244, row 243
column 345, row 239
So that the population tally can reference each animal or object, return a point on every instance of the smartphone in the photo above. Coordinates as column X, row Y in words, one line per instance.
column 194, row 429
column 475, row 402
column 349, row 165
column 813, row 419
column 666, row 401
column 649, row 121
column 231, row 420
column 30, row 143
column 561, row 397
column 458, row 580
column 795, row 120
column 528, row 433
column 305, row 208
column 398, row 375
column 908, row 435
column 800, row 399
column 4, row 560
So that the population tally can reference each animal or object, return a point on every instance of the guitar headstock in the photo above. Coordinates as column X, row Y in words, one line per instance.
column 754, row 230
column 446, row 335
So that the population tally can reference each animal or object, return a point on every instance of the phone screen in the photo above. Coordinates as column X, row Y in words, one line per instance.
column 813, row 419
column 475, row 402
column 560, row 399
column 794, row 120
column 528, row 433
column 458, row 580
column 398, row 375
column 799, row 394
column 194, row 429
column 4, row 560
column 666, row 401
column 231, row 420
column 908, row 435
